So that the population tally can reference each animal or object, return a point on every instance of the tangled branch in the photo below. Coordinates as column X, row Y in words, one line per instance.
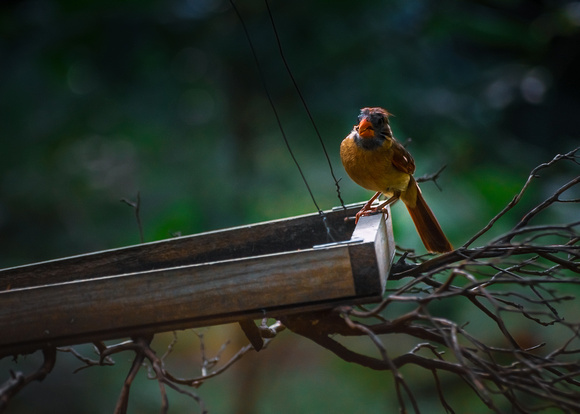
column 520, row 285
column 516, row 342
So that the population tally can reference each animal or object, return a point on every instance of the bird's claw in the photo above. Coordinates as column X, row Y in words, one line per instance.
column 369, row 212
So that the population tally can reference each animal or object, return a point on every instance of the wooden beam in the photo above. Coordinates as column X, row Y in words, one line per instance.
column 252, row 240
column 269, row 269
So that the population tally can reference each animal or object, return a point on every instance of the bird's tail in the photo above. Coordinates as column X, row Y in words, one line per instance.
column 425, row 222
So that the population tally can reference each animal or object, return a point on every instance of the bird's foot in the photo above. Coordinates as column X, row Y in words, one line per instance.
column 370, row 212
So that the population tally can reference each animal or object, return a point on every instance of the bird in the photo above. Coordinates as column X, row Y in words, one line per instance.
column 375, row 160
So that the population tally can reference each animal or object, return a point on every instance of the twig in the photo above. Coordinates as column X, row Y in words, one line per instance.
column 137, row 208
column 432, row 177
column 534, row 174
column 87, row 361
column 516, row 284
column 18, row 380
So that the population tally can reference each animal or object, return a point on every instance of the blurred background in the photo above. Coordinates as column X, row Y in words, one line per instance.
column 102, row 100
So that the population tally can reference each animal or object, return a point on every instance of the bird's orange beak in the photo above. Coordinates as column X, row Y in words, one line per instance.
column 365, row 129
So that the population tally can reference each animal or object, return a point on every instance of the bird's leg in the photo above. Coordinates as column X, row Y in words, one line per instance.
column 369, row 203
column 388, row 202
column 368, row 211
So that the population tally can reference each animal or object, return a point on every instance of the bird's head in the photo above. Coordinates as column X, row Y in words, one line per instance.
column 373, row 123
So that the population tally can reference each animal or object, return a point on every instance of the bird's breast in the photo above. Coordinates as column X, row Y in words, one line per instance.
column 372, row 168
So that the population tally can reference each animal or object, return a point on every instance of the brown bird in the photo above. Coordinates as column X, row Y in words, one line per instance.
column 375, row 160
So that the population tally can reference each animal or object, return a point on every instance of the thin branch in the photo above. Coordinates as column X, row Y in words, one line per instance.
column 534, row 174
column 516, row 284
column 137, row 208
column 87, row 361
column 432, row 177
column 123, row 400
column 18, row 380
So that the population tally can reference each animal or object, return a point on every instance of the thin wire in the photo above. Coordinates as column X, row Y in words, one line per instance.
column 263, row 80
column 304, row 104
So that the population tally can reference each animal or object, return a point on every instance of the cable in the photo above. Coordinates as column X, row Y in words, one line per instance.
column 304, row 104
column 263, row 80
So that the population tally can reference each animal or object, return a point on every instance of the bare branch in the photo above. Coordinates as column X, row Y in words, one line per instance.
column 87, row 361
column 516, row 284
column 516, row 339
column 18, row 380
column 137, row 208
column 571, row 156
column 432, row 177
column 123, row 401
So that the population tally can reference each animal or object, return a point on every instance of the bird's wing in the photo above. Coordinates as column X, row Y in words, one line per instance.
column 402, row 159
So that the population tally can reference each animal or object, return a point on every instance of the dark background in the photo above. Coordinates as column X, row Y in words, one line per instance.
column 101, row 100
